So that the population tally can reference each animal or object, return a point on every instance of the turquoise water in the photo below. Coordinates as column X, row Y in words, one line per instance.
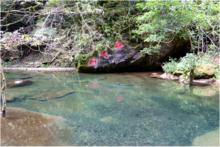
column 121, row 109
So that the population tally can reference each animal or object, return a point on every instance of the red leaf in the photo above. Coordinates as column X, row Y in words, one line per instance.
column 104, row 54
column 92, row 61
column 118, row 44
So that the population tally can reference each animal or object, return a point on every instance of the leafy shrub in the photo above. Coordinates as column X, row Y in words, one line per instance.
column 170, row 67
column 55, row 3
column 202, row 65
column 187, row 63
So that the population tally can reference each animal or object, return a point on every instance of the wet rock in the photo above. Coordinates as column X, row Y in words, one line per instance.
column 208, row 139
column 168, row 76
column 21, row 127
column 18, row 83
column 203, row 82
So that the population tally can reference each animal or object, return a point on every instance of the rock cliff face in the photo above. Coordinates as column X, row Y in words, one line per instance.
column 123, row 58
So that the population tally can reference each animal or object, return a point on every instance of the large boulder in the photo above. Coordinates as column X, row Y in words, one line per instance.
column 124, row 58
column 21, row 127
column 120, row 58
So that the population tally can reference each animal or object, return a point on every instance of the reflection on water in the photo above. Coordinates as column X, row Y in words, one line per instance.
column 121, row 109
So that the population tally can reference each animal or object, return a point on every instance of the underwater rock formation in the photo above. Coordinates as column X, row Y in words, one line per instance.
column 18, row 83
column 43, row 96
column 22, row 127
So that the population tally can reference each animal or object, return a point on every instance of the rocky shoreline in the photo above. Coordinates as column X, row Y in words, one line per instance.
column 197, row 82
column 157, row 74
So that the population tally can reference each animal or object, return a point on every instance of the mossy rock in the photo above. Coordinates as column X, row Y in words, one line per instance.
column 205, row 71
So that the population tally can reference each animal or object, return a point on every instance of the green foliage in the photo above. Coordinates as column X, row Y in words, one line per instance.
column 89, row 31
column 170, row 67
column 187, row 63
column 86, row 27
column 82, row 58
column 55, row 3
column 118, row 19
column 161, row 22
column 183, row 66
column 203, row 65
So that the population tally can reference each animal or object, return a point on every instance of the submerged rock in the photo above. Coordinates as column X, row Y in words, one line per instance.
column 43, row 96
column 21, row 127
column 53, row 94
column 18, row 83
column 208, row 139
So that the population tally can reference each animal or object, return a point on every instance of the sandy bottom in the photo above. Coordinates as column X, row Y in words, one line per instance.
column 209, row 139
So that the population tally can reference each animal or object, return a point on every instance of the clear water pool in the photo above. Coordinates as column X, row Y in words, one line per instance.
column 121, row 109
